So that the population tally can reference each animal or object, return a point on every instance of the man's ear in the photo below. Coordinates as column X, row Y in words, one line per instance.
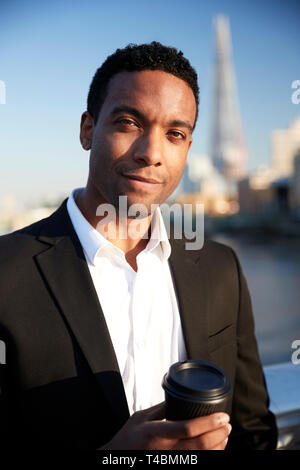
column 86, row 130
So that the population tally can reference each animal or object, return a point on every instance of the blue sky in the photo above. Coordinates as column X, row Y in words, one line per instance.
column 49, row 52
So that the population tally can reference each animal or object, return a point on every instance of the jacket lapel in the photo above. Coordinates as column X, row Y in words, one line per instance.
column 67, row 275
column 189, row 270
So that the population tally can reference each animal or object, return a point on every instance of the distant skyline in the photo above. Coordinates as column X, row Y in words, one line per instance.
column 49, row 52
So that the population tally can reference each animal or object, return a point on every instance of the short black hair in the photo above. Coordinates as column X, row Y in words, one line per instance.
column 134, row 58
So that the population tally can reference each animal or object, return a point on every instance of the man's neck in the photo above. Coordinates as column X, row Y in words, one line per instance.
column 116, row 229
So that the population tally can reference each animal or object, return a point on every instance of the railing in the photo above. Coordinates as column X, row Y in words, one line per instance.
column 283, row 382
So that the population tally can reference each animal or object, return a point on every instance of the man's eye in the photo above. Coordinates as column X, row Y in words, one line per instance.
column 177, row 135
column 127, row 122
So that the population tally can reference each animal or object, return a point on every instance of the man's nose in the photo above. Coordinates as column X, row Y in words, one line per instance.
column 148, row 148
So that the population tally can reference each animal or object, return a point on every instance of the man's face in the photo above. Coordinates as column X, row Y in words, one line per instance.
column 143, row 132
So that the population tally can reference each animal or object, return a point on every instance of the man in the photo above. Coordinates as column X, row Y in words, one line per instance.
column 92, row 321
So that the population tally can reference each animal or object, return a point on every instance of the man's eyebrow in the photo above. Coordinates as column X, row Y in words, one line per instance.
column 178, row 123
column 129, row 110
column 140, row 115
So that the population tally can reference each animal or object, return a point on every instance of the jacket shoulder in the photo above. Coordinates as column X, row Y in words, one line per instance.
column 211, row 250
column 212, row 246
column 220, row 258
column 22, row 241
column 27, row 240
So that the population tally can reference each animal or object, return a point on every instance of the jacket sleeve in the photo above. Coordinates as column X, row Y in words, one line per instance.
column 13, row 431
column 253, row 424
column 6, row 419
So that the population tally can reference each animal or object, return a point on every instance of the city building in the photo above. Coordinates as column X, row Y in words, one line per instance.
column 295, row 187
column 13, row 218
column 285, row 144
column 229, row 150
column 255, row 193
column 204, row 184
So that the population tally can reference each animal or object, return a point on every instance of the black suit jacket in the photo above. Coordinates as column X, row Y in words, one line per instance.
column 61, row 386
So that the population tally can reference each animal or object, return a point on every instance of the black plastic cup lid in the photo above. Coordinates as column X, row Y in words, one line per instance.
column 196, row 381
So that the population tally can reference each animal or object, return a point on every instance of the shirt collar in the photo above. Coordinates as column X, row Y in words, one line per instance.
column 93, row 242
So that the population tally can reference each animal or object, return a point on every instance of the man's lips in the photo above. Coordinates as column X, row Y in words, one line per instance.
column 141, row 178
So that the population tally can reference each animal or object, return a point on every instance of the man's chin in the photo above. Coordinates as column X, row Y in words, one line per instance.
column 136, row 206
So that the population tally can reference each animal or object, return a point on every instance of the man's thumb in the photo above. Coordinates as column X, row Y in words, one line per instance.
column 156, row 411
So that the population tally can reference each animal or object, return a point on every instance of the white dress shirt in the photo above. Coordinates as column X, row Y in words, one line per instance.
column 140, row 308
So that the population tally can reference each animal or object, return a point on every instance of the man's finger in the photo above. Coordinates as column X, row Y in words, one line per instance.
column 213, row 439
column 156, row 412
column 188, row 429
column 221, row 446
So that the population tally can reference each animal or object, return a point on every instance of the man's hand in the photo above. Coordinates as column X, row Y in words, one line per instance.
column 146, row 430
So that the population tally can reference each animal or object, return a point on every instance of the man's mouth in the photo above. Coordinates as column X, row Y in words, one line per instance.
column 141, row 179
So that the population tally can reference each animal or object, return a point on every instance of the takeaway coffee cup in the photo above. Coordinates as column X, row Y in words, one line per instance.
column 195, row 388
